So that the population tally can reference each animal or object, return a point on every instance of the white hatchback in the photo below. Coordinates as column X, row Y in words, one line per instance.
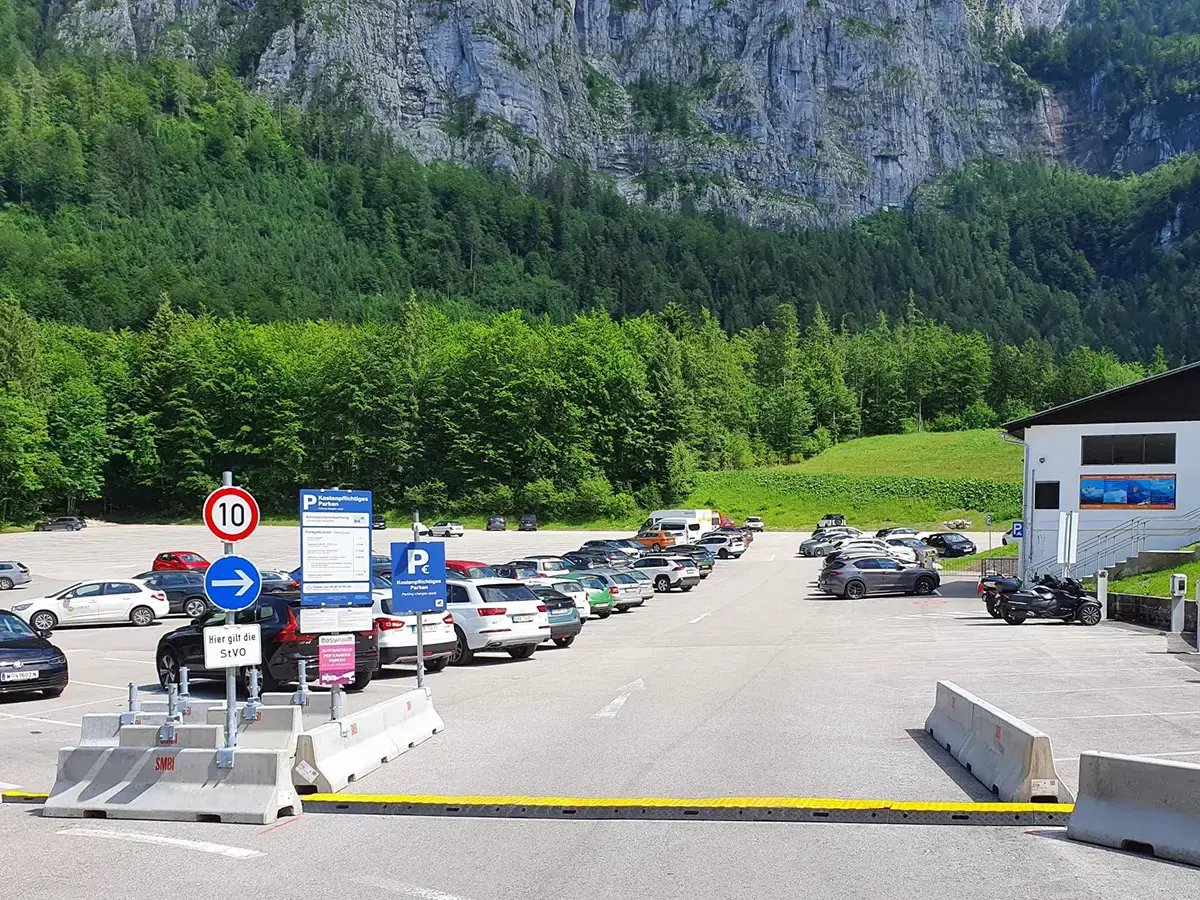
column 95, row 603
column 495, row 614
column 447, row 529
column 723, row 545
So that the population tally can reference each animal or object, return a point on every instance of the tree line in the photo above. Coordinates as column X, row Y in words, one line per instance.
column 594, row 418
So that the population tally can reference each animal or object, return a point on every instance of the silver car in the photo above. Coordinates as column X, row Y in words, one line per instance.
column 855, row 578
column 644, row 580
column 12, row 573
column 625, row 590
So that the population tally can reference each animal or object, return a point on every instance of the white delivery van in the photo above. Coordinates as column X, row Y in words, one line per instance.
column 696, row 521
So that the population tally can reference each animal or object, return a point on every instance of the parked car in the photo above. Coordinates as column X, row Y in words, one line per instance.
column 565, row 623
column 702, row 556
column 448, row 529
column 13, row 573
column 744, row 534
column 754, row 523
column 517, row 571
column 397, row 634
column 723, row 545
column 528, row 523
column 283, row 646
column 179, row 561
column 656, row 539
column 950, row 544
column 869, row 546
column 564, row 584
column 28, row 661
column 468, row 568
column 669, row 572
column 602, row 557
column 61, row 523
column 495, row 614
column 184, row 590
column 496, row 523
column 600, row 601
column 824, row 544
column 830, row 520
column 915, row 544
column 896, row 532
column 856, row 578
column 645, row 582
column 624, row 589
column 378, row 521
column 634, row 546
column 619, row 546
column 276, row 582
column 381, row 564
column 546, row 566
column 95, row 603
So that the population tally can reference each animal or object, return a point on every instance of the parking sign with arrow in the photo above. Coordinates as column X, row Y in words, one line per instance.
column 232, row 583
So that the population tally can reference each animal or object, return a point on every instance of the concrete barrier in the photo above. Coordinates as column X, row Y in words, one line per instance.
column 191, row 737
column 272, row 728
column 171, row 784
column 102, row 729
column 1140, row 804
column 1009, row 757
column 336, row 754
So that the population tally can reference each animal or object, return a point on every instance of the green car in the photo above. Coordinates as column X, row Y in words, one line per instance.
column 599, row 599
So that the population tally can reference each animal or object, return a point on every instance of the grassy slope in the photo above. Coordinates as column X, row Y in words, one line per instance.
column 1155, row 584
column 968, row 454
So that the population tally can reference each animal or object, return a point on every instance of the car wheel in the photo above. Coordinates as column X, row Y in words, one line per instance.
column 662, row 583
column 43, row 621
column 722, row 553
column 361, row 680
column 522, row 652
column 168, row 668
column 194, row 607
column 564, row 642
column 142, row 616
column 1014, row 616
column 53, row 692
column 6, row 584
column 657, row 548
column 437, row 664
column 855, row 590
column 924, row 585
column 463, row 654
column 1089, row 613
column 603, row 614
column 687, row 587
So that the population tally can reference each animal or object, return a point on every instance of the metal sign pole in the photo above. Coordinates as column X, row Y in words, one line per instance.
column 420, row 623
column 225, row 757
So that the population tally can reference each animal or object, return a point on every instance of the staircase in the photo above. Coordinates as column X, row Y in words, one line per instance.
column 1127, row 540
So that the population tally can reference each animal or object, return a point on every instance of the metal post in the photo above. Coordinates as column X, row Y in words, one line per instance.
column 130, row 717
column 420, row 623
column 185, row 693
column 1102, row 592
column 250, row 710
column 225, row 755
column 300, row 698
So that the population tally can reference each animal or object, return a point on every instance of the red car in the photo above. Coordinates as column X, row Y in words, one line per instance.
column 469, row 568
column 180, row 561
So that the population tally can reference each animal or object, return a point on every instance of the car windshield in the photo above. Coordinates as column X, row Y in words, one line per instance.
column 638, row 576
column 568, row 587
column 622, row 578
column 191, row 557
column 592, row 584
column 954, row 539
column 506, row 593
column 554, row 565
column 13, row 629
column 482, row 572
column 379, row 583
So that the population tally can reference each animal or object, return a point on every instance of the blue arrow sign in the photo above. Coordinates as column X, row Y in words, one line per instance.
column 232, row 583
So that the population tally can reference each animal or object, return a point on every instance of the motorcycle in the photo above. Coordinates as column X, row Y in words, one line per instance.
column 990, row 589
column 1048, row 598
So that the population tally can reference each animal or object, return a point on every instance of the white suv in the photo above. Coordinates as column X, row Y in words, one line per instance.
column 398, row 634
column 723, row 545
column 669, row 572
column 754, row 523
column 495, row 614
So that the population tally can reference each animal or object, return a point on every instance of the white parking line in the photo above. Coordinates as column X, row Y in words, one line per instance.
column 43, row 721
column 1150, row 715
column 8, row 786
column 58, row 709
column 1096, row 690
column 111, row 687
column 143, row 662
column 697, row 619
column 1171, row 753
column 412, row 890
column 141, row 837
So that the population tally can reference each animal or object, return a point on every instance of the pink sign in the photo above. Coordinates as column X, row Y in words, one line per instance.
column 335, row 659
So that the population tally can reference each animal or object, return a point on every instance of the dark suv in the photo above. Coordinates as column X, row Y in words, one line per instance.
column 184, row 590
column 282, row 645
column 528, row 523
column 497, row 523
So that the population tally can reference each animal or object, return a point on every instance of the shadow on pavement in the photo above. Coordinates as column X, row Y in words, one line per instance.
column 1060, row 834
column 950, row 766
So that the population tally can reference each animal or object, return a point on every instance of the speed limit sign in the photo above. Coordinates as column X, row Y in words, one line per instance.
column 231, row 513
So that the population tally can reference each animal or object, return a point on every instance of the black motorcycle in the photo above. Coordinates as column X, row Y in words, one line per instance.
column 992, row 586
column 1048, row 598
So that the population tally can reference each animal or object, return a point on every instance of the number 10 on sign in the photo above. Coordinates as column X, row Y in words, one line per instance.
column 231, row 513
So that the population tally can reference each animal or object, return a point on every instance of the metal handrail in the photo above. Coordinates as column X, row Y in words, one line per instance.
column 1127, row 540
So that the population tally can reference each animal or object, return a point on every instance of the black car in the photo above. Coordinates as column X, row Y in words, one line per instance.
column 950, row 544
column 29, row 662
column 497, row 523
column 581, row 562
column 607, row 556
column 516, row 571
column 378, row 521
column 528, row 523
column 701, row 556
column 62, row 523
column 619, row 546
column 282, row 646
column 184, row 590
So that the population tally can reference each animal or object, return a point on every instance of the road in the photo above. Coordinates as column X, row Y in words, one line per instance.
column 750, row 685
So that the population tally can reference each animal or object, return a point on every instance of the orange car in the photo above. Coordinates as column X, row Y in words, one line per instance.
column 656, row 539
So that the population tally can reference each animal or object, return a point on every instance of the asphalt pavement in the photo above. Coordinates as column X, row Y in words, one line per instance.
column 750, row 685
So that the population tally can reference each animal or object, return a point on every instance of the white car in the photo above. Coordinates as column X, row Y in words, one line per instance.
column 880, row 548
column 545, row 566
column 754, row 523
column 95, row 603
column 668, row 572
column 723, row 546
column 495, row 614
column 398, row 633
column 447, row 529
column 578, row 594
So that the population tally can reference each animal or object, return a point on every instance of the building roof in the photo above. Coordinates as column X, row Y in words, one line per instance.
column 1173, row 396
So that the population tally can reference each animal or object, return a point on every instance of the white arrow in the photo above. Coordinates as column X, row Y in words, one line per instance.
column 243, row 582
column 610, row 711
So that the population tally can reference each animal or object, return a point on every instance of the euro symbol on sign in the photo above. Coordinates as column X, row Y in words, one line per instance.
column 418, row 561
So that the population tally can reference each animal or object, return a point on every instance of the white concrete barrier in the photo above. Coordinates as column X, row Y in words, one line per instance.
column 172, row 784
column 191, row 737
column 1138, row 803
column 336, row 754
column 1009, row 757
column 272, row 728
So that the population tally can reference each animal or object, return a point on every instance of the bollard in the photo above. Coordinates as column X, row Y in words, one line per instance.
column 250, row 710
column 300, row 698
column 128, row 718
column 335, row 709
column 166, row 731
column 1178, row 592
column 1102, row 592
column 185, row 695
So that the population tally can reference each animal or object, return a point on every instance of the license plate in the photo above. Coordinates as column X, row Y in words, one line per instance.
column 27, row 675
column 523, row 617
column 427, row 626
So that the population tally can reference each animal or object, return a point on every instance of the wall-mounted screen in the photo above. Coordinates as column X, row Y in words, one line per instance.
column 1127, row 492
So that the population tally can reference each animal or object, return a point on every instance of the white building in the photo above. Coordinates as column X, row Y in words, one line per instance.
column 1128, row 460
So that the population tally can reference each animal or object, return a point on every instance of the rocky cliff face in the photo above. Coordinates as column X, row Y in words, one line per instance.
column 784, row 111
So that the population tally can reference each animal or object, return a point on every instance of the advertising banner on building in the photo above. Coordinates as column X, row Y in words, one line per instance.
column 1127, row 492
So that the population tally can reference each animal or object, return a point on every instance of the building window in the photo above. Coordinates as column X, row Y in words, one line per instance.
column 1127, row 450
column 1045, row 495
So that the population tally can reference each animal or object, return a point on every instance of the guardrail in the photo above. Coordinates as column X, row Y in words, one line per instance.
column 992, row 565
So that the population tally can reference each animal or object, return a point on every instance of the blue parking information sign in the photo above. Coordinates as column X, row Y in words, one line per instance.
column 1018, row 529
column 232, row 583
column 418, row 577
column 335, row 548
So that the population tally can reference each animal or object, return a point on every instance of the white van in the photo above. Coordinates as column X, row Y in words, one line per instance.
column 696, row 521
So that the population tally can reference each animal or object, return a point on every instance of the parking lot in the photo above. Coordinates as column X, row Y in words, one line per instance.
column 751, row 685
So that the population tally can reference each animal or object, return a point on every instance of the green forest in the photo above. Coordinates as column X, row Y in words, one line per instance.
column 193, row 279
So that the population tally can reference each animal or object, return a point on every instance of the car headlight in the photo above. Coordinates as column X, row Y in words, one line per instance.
column 21, row 606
